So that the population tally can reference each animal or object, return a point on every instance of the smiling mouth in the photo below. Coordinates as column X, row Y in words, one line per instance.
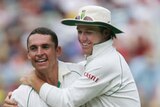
column 41, row 60
column 84, row 44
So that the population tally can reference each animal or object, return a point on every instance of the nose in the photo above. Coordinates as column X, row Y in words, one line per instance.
column 39, row 51
column 82, row 37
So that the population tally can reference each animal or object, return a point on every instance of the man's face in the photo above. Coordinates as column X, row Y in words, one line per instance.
column 42, row 52
column 89, row 36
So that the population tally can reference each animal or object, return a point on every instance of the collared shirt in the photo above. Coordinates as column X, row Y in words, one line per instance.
column 106, row 82
column 27, row 97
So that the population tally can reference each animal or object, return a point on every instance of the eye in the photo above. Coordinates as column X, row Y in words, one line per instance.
column 89, row 32
column 33, row 48
column 45, row 46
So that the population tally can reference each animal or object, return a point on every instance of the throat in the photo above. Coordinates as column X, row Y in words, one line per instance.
column 52, row 78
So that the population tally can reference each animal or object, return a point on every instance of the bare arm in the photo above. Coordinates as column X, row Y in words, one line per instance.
column 9, row 102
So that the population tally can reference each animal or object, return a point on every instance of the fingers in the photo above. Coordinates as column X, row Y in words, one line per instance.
column 9, row 105
column 8, row 102
column 28, row 79
column 9, row 95
column 25, row 81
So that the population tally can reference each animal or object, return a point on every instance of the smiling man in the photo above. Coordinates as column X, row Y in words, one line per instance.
column 43, row 52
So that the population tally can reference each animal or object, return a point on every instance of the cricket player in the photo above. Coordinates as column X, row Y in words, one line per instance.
column 43, row 51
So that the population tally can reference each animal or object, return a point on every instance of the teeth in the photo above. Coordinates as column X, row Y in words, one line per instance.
column 41, row 60
column 84, row 44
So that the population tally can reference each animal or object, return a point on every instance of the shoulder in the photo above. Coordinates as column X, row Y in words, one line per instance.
column 105, row 64
column 22, row 89
column 74, row 67
column 107, row 60
column 21, row 94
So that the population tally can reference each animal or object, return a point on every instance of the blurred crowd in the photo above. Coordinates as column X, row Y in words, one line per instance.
column 139, row 44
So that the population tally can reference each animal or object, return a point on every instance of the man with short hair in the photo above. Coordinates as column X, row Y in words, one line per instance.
column 43, row 52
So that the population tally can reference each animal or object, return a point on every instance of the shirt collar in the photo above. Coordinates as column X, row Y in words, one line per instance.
column 62, row 70
column 100, row 48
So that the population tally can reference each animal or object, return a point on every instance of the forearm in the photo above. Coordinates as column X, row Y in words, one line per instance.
column 51, row 95
column 76, row 95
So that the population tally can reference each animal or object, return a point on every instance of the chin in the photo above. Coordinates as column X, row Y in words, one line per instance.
column 86, row 54
column 42, row 69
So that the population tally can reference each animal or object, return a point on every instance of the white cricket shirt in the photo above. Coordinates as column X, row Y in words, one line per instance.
column 27, row 97
column 106, row 82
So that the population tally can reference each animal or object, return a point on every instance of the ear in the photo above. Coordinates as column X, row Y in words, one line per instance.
column 59, row 51
column 28, row 56
column 106, row 34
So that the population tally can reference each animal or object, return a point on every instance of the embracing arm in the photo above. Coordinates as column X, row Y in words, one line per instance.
column 93, row 83
column 83, row 90
column 80, row 92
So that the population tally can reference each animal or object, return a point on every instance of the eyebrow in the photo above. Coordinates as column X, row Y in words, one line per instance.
column 41, row 44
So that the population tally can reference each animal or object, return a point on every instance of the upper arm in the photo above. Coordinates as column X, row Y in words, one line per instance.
column 20, row 95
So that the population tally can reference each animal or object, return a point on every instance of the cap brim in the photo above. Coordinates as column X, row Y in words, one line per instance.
column 74, row 22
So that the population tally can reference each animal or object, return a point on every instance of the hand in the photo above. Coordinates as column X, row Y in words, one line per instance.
column 28, row 79
column 32, row 80
column 9, row 102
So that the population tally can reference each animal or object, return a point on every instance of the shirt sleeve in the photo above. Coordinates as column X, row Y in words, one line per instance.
column 94, row 82
column 19, row 96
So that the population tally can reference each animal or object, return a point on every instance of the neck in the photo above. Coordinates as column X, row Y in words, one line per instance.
column 50, row 76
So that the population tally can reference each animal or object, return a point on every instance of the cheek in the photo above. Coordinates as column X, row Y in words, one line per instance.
column 93, row 40
column 52, row 55
column 30, row 56
column 97, row 39
column 79, row 38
